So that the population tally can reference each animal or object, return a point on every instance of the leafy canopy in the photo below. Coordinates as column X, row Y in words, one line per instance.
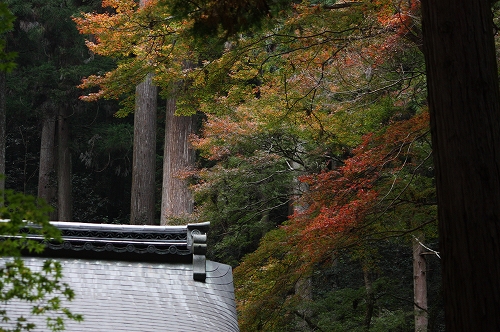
column 6, row 24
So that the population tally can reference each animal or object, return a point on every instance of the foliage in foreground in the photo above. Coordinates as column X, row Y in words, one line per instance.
column 40, row 289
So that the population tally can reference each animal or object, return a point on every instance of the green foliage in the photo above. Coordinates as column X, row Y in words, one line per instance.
column 264, row 284
column 225, row 17
column 340, row 294
column 40, row 287
column 396, row 167
column 109, row 146
column 52, row 59
column 6, row 25
column 244, row 198
column 25, row 215
column 344, row 310
column 44, row 288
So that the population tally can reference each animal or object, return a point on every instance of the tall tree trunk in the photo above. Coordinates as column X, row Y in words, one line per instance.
column 370, row 298
column 177, row 199
column 419, row 285
column 464, row 104
column 64, row 190
column 3, row 136
column 303, row 286
column 303, row 289
column 144, row 155
column 46, row 175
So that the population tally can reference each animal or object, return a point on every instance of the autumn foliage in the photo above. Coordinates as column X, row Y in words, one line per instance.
column 318, row 105
column 343, row 202
column 141, row 39
column 349, row 207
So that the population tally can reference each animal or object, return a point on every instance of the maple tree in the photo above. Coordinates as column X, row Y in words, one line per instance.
column 381, row 192
column 289, row 78
column 340, row 199
column 145, row 40
column 304, row 87
column 246, row 192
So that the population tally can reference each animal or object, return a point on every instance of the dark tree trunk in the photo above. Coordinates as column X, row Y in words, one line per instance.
column 370, row 299
column 465, row 125
column 177, row 199
column 46, row 175
column 64, row 190
column 3, row 136
column 142, row 207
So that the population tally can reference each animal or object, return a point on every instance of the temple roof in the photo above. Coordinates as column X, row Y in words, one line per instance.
column 140, row 278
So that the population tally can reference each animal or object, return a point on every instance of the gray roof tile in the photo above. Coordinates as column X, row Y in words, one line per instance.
column 160, row 297
column 117, row 295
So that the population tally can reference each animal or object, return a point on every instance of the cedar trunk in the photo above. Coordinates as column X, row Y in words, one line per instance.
column 64, row 190
column 46, row 180
column 144, row 156
column 465, row 126
column 177, row 199
column 3, row 136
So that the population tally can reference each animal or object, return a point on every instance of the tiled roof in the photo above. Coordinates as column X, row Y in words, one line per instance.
column 119, row 294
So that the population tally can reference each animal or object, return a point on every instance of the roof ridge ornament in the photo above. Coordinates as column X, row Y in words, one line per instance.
column 197, row 243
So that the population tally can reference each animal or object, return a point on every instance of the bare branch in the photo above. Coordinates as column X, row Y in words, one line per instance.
column 342, row 5
column 423, row 245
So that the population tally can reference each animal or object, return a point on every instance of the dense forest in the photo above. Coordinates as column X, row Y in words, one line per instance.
column 299, row 129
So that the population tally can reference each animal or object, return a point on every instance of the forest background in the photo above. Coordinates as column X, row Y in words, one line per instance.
column 301, row 132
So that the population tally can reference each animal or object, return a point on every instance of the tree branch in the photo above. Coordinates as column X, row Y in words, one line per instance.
column 423, row 245
column 342, row 5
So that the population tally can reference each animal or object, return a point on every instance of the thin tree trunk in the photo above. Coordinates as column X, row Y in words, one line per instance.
column 46, row 175
column 177, row 199
column 298, row 189
column 370, row 298
column 420, row 285
column 64, row 190
column 303, row 289
column 464, row 104
column 3, row 136
column 144, row 155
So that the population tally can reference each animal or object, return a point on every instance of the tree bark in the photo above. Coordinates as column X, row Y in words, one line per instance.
column 46, row 174
column 464, row 105
column 64, row 190
column 420, row 285
column 303, row 289
column 304, row 286
column 370, row 299
column 177, row 199
column 144, row 155
column 3, row 136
